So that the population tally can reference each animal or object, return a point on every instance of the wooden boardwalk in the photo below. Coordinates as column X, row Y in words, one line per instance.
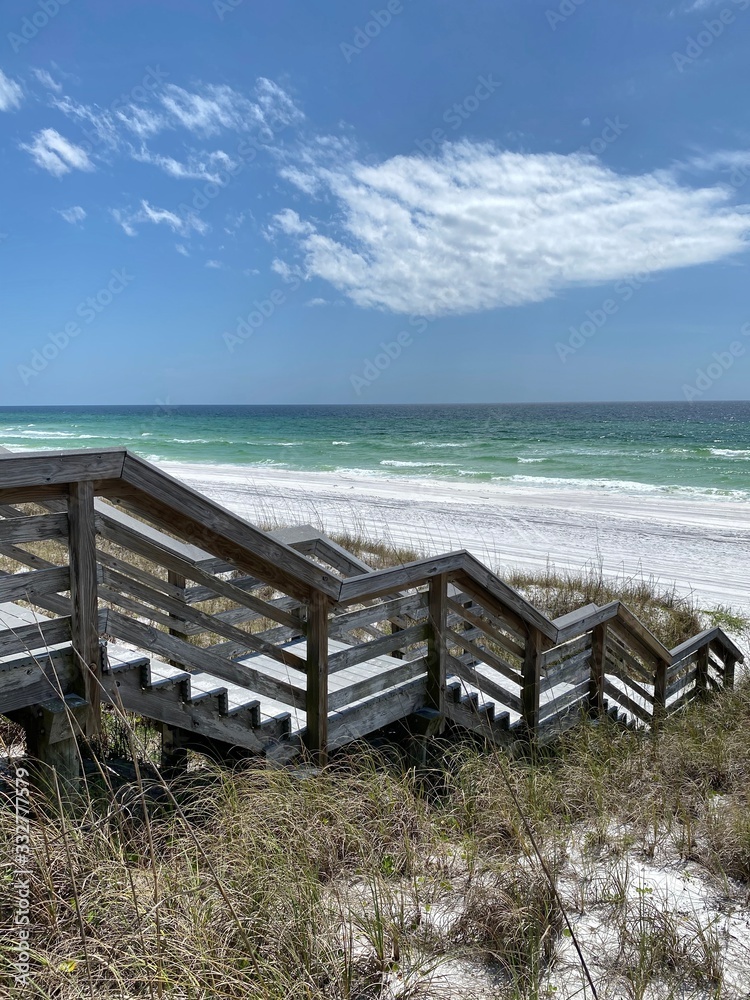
column 148, row 596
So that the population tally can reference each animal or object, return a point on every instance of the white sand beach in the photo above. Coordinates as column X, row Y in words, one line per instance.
column 701, row 544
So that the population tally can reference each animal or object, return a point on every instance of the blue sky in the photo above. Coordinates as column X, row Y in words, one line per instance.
column 210, row 201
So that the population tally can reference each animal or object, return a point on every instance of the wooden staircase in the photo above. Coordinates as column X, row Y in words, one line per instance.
column 126, row 587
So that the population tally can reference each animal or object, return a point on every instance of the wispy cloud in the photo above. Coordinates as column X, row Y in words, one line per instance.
column 200, row 165
column 73, row 215
column 56, row 154
column 47, row 80
column 211, row 108
column 215, row 265
column 479, row 228
column 183, row 225
column 11, row 93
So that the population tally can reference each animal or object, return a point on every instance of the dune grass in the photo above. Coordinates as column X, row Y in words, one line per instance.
column 370, row 880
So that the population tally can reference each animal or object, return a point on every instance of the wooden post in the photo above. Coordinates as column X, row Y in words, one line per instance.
column 531, row 673
column 51, row 730
column 660, row 690
column 179, row 581
column 397, row 654
column 729, row 664
column 598, row 660
column 317, row 679
column 437, row 652
column 701, row 673
column 83, row 593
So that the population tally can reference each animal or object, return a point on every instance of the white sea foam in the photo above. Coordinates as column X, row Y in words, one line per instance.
column 731, row 453
column 340, row 442
column 396, row 464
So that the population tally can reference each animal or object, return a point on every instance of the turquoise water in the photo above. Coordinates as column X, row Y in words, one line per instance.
column 694, row 446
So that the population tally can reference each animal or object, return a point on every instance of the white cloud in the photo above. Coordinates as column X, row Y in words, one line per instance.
column 215, row 107
column 47, row 81
column 11, row 94
column 73, row 215
column 56, row 154
column 182, row 225
column 90, row 115
column 182, row 249
column 288, row 221
column 203, row 166
column 143, row 122
column 316, row 302
column 480, row 228
column 214, row 264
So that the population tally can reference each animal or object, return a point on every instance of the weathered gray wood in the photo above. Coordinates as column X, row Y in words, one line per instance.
column 27, row 586
column 619, row 652
column 437, row 649
column 596, row 676
column 377, row 613
column 684, row 681
column 387, row 581
column 83, row 595
column 316, row 702
column 499, row 694
column 29, row 680
column 38, row 528
column 531, row 686
column 378, row 647
column 615, row 670
column 486, row 627
column 576, row 697
column 46, row 632
column 208, row 623
column 582, row 625
column 701, row 676
column 172, row 648
column 359, row 720
column 26, row 558
column 509, row 597
column 711, row 635
column 569, row 671
column 128, row 537
column 573, row 617
column 52, row 468
column 385, row 678
column 174, row 505
column 457, row 638
column 620, row 698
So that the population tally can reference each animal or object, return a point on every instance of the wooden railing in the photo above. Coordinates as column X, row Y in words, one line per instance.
column 136, row 556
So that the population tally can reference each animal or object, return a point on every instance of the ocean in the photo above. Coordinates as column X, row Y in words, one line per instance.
column 697, row 448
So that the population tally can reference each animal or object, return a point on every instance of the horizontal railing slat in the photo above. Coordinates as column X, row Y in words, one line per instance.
column 378, row 647
column 37, row 528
